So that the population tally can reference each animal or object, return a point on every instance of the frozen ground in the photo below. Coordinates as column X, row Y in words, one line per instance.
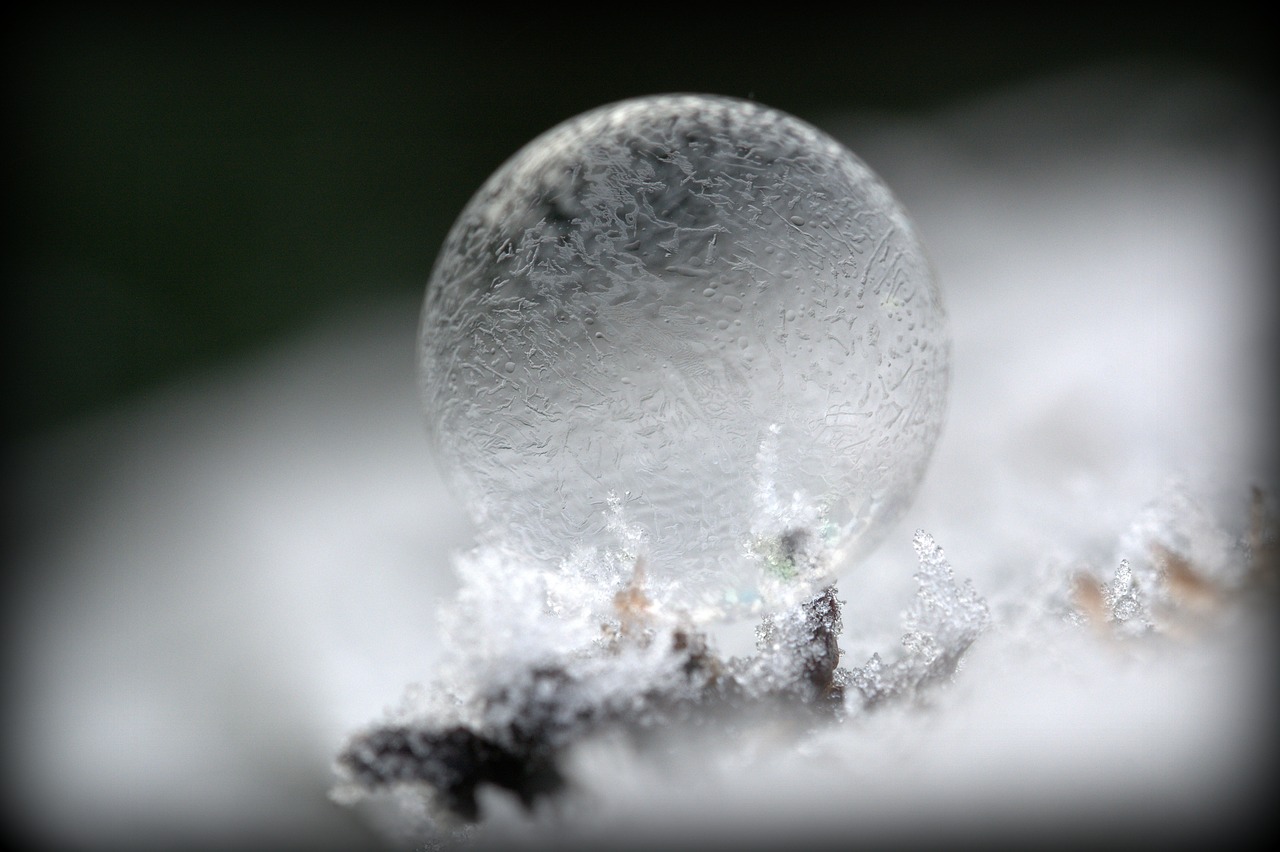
column 214, row 588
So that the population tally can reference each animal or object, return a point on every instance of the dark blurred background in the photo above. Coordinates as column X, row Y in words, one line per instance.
column 187, row 186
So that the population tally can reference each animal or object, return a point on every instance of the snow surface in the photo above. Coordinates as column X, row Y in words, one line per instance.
column 217, row 586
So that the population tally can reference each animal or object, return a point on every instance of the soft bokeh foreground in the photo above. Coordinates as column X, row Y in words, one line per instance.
column 216, row 587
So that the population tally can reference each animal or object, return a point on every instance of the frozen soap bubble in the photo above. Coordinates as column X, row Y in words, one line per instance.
column 692, row 332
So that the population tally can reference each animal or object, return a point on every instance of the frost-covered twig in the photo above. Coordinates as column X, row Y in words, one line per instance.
column 799, row 656
column 1184, row 570
column 525, row 716
column 525, row 722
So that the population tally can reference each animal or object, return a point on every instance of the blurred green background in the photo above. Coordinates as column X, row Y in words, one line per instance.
column 187, row 186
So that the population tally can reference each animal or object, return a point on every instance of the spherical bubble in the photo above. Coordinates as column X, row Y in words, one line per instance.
column 693, row 331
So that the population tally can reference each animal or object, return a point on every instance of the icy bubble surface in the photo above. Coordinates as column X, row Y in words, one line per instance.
column 693, row 317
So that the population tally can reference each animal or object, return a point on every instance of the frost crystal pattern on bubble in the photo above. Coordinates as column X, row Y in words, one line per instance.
column 647, row 299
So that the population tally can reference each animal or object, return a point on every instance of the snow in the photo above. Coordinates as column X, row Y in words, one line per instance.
column 218, row 585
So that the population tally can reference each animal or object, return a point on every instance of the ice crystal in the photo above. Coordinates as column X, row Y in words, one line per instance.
column 940, row 624
column 1123, row 599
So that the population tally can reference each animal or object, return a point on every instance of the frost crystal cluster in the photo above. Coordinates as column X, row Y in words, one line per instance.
column 702, row 314
column 945, row 618
column 510, row 720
